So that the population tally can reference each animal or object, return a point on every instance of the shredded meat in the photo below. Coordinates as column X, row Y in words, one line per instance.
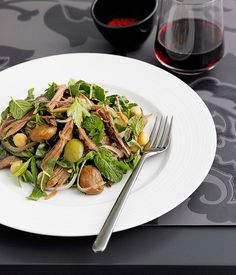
column 50, row 120
column 87, row 140
column 7, row 161
column 65, row 135
column 6, row 123
column 15, row 126
column 115, row 150
column 57, row 97
column 14, row 149
column 59, row 177
column 104, row 114
column 105, row 140
column 86, row 100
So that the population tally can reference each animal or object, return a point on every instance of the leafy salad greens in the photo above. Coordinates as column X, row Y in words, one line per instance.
column 73, row 135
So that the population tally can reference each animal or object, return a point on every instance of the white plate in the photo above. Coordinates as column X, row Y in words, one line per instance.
column 165, row 181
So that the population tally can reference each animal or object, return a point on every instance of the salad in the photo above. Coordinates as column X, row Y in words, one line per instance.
column 72, row 135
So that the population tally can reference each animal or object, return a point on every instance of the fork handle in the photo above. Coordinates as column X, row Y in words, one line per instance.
column 104, row 235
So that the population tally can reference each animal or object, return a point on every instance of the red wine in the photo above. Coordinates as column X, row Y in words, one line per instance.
column 189, row 45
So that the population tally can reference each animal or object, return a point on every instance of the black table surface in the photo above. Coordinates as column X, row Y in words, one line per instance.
column 146, row 249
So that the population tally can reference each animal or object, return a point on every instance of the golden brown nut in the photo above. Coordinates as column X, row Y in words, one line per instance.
column 91, row 179
column 43, row 133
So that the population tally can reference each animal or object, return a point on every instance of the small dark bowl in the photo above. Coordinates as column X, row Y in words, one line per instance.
column 126, row 37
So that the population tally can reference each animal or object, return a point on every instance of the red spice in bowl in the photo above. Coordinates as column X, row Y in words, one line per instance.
column 122, row 22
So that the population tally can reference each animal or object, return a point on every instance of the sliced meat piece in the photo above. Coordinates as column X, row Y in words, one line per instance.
column 6, row 123
column 65, row 135
column 85, row 100
column 59, row 177
column 57, row 97
column 50, row 120
column 105, row 140
column 7, row 161
column 115, row 150
column 14, row 149
column 105, row 115
column 87, row 140
column 15, row 126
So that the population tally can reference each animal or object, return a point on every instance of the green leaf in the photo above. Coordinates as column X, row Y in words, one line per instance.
column 22, row 169
column 136, row 124
column 34, row 170
column 30, row 94
column 4, row 114
column 41, row 151
column 36, row 194
column 134, row 143
column 106, row 161
column 19, row 108
column 39, row 120
column 78, row 110
column 99, row 93
column 133, row 160
column 24, row 154
column 47, row 172
column 84, row 86
column 71, row 82
column 27, row 177
column 65, row 164
column 120, row 128
column 95, row 127
column 88, row 156
column 110, row 100
column 50, row 91
column 3, row 152
column 73, row 87
column 124, row 166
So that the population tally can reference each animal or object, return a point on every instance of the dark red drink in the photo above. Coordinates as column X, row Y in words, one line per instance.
column 189, row 45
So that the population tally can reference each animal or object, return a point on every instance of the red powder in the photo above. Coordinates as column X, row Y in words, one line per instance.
column 122, row 22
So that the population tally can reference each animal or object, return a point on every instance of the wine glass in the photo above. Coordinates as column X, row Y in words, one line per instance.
column 190, row 35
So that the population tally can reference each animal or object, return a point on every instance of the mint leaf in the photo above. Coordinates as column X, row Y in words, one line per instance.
column 71, row 82
column 99, row 93
column 36, row 194
column 84, row 86
column 120, row 128
column 136, row 124
column 106, row 161
column 74, row 87
column 133, row 160
column 95, row 127
column 88, row 156
column 50, row 91
column 27, row 177
column 65, row 164
column 34, row 170
column 22, row 169
column 3, row 152
column 19, row 108
column 41, row 151
column 134, row 143
column 47, row 172
column 78, row 110
column 4, row 114
column 24, row 154
column 30, row 94
column 124, row 166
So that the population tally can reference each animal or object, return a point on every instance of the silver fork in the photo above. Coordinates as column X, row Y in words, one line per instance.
column 159, row 142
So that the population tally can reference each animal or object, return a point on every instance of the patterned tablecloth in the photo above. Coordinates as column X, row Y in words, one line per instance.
column 30, row 29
